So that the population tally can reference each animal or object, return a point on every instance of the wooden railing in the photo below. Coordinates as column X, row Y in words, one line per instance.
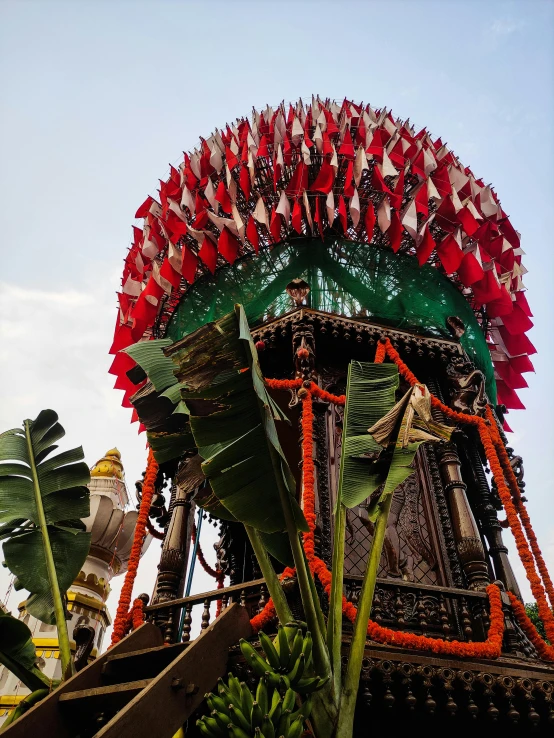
column 426, row 609
column 167, row 615
column 439, row 612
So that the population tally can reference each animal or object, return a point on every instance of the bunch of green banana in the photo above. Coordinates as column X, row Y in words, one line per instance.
column 288, row 659
column 236, row 713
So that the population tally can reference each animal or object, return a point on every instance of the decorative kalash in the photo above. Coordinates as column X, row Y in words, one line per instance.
column 322, row 328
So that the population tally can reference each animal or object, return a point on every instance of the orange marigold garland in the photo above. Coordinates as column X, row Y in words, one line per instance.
column 544, row 650
column 510, row 497
column 491, row 648
column 520, row 505
column 268, row 613
column 380, row 353
column 148, row 488
column 522, row 546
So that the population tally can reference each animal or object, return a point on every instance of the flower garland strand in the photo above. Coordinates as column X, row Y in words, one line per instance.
column 522, row 546
column 490, row 438
column 148, row 489
column 513, row 504
column 520, row 505
column 545, row 650
column 268, row 613
column 491, row 648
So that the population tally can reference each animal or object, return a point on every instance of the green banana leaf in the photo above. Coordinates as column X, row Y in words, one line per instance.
column 150, row 357
column 207, row 391
column 369, row 396
column 17, row 652
column 232, row 419
column 402, row 430
column 158, row 403
column 60, row 480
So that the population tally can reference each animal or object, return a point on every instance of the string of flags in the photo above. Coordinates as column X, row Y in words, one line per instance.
column 316, row 170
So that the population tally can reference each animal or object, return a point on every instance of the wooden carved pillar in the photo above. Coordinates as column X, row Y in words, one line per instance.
column 489, row 518
column 173, row 560
column 466, row 532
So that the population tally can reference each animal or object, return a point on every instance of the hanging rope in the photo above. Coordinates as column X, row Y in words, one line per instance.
column 217, row 574
column 123, row 614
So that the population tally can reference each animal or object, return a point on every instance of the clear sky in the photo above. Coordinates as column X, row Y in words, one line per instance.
column 98, row 97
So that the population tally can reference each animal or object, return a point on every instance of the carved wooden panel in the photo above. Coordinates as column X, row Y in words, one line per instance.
column 408, row 552
column 413, row 551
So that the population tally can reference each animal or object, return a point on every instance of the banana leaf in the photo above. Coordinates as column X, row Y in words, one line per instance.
column 158, row 402
column 17, row 652
column 150, row 358
column 369, row 396
column 402, row 430
column 207, row 392
column 232, row 419
column 32, row 486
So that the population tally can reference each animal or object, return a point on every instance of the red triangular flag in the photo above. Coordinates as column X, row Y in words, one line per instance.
column 275, row 226
column 228, row 246
column 190, row 262
column 469, row 271
column 169, row 273
column 347, row 147
column 450, row 254
column 244, row 181
column 297, row 217
column 222, row 196
column 252, row 234
column 395, row 231
column 348, row 188
column 425, row 248
column 230, row 158
column 468, row 221
column 208, row 254
column 422, row 200
column 324, row 180
column 299, row 180
column 369, row 221
column 262, row 149
column 144, row 208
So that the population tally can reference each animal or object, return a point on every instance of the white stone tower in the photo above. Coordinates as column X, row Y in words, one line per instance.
column 112, row 526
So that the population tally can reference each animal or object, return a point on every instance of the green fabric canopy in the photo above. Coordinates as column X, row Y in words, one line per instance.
column 345, row 278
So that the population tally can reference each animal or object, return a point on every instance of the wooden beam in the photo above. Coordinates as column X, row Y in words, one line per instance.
column 213, row 594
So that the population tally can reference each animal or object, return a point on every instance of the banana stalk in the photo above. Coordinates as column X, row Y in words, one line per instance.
column 320, row 654
column 352, row 678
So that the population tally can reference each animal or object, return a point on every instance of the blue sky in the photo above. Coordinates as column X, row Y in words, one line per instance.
column 98, row 97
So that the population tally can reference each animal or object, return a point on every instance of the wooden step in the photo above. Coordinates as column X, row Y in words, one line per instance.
column 144, row 708
column 85, row 704
column 47, row 720
column 144, row 664
column 173, row 696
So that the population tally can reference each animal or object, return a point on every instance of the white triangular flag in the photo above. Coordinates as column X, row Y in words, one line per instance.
column 355, row 208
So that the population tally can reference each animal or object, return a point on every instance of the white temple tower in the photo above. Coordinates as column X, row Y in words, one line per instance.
column 112, row 525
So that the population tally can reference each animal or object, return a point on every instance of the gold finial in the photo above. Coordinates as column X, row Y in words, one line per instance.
column 109, row 465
